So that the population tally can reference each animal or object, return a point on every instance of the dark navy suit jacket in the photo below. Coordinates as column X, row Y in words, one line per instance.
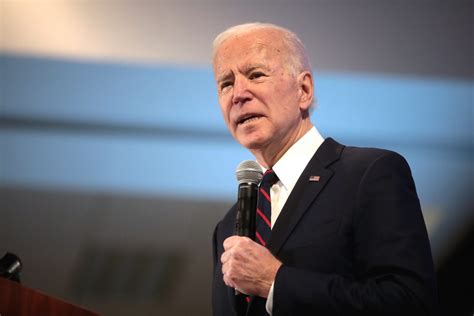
column 352, row 243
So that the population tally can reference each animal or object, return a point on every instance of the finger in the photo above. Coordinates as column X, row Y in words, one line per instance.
column 228, row 275
column 228, row 281
column 225, row 257
column 230, row 242
column 237, row 241
column 228, row 266
column 224, row 269
column 231, row 253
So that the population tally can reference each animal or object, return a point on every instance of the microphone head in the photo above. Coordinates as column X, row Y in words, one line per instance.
column 10, row 267
column 249, row 171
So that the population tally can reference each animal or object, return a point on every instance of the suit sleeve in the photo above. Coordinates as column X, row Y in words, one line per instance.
column 393, row 269
column 221, row 304
column 214, row 248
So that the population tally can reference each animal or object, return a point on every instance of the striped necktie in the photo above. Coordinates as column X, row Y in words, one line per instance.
column 264, row 207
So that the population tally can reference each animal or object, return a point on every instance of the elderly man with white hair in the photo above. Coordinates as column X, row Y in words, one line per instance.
column 344, row 229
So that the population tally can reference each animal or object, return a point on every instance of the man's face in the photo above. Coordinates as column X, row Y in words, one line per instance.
column 258, row 95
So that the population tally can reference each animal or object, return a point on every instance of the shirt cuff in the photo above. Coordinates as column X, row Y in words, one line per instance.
column 269, row 304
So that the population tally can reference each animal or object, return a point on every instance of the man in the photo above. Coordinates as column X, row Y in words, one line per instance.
column 347, row 233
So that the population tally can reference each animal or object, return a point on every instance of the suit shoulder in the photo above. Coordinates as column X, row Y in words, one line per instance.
column 367, row 156
column 357, row 161
column 332, row 152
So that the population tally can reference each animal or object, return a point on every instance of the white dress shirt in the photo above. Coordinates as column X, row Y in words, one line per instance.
column 288, row 170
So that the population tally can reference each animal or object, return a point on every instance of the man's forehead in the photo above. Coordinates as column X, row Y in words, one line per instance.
column 240, row 50
column 255, row 40
column 246, row 53
column 223, row 72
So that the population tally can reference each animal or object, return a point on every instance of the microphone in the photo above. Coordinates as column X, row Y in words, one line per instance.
column 10, row 267
column 249, row 174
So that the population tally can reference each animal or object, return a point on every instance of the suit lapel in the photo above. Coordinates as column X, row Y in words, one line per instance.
column 304, row 192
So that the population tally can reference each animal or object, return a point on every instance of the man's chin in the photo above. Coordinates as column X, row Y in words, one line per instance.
column 253, row 143
column 253, row 139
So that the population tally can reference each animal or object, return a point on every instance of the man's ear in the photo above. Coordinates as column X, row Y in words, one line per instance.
column 306, row 90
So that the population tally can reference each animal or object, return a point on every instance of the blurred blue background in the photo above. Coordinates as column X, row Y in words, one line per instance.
column 115, row 160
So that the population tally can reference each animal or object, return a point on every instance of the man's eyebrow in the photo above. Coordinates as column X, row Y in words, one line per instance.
column 224, row 77
column 253, row 67
column 246, row 70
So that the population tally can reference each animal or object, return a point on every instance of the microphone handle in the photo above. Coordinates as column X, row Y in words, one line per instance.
column 246, row 212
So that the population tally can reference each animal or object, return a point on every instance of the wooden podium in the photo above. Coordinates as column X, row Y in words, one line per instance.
column 17, row 300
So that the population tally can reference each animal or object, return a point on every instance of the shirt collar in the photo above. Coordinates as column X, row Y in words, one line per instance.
column 291, row 165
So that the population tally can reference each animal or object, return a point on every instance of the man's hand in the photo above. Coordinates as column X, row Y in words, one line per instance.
column 248, row 266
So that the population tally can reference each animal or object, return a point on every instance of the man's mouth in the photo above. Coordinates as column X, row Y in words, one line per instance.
column 248, row 119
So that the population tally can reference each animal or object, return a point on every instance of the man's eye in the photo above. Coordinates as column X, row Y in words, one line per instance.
column 225, row 85
column 255, row 75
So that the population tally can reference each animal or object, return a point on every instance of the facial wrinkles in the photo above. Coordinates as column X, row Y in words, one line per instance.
column 238, row 55
column 235, row 50
column 242, row 61
column 275, row 99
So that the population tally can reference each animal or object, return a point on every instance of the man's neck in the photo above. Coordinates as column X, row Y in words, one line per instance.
column 269, row 156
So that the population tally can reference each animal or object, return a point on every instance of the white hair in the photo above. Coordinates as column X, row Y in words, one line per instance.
column 296, row 53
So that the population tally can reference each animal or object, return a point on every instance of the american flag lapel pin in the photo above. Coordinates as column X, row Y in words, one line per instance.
column 314, row 178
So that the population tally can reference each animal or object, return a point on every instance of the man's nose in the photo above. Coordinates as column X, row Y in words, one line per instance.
column 241, row 91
